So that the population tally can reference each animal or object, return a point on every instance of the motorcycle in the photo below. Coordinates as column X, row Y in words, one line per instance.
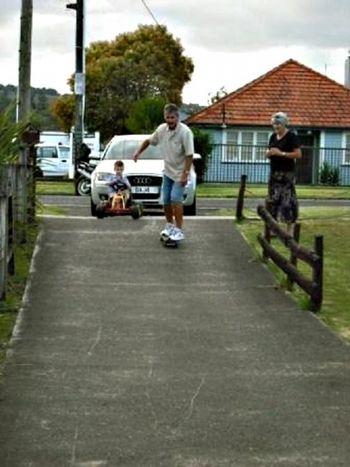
column 83, row 181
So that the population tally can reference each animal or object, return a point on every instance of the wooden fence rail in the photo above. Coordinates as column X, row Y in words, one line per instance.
column 313, row 286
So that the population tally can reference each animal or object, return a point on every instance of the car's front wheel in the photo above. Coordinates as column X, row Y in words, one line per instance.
column 191, row 210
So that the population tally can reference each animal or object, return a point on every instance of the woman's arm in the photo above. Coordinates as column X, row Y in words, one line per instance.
column 294, row 154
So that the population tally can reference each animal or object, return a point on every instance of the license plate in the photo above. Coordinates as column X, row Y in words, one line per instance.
column 145, row 189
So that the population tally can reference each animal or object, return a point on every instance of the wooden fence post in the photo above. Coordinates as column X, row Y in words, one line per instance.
column 293, row 256
column 3, row 246
column 240, row 200
column 317, row 295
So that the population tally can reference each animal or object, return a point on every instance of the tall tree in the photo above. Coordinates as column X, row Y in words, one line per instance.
column 148, row 62
column 145, row 115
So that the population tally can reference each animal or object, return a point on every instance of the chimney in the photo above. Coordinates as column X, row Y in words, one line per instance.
column 347, row 72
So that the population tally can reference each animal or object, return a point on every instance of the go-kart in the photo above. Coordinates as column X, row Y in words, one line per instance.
column 119, row 205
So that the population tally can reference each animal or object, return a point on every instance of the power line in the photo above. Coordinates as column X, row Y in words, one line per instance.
column 150, row 12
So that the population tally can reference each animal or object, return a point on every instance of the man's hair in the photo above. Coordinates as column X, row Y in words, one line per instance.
column 119, row 164
column 171, row 108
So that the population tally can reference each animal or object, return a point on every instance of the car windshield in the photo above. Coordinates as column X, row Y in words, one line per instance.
column 126, row 149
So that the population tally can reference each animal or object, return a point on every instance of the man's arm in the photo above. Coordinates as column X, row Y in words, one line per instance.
column 144, row 145
column 188, row 163
column 188, row 145
column 187, row 169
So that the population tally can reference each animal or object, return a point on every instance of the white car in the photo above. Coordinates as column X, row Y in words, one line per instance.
column 52, row 160
column 145, row 175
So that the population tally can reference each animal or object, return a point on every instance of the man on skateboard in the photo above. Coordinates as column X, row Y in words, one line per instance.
column 176, row 141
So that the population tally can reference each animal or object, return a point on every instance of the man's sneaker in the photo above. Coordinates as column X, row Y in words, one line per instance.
column 177, row 235
column 166, row 232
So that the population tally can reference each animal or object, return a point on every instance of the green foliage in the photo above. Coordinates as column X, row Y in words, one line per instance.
column 329, row 175
column 221, row 93
column 148, row 62
column 41, row 98
column 145, row 115
column 63, row 109
column 10, row 137
column 204, row 146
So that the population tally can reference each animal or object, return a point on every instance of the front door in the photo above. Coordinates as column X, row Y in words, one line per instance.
column 304, row 166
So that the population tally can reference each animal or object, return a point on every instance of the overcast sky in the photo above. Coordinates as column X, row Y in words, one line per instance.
column 231, row 42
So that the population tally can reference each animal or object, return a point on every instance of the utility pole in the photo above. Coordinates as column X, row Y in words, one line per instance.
column 25, row 54
column 79, row 83
column 23, row 110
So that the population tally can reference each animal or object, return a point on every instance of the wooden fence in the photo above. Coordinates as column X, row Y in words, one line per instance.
column 314, row 286
column 7, row 224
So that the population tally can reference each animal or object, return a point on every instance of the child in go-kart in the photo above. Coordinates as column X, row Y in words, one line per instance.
column 119, row 188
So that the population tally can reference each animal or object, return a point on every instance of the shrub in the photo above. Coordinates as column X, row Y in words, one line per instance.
column 329, row 175
column 202, row 145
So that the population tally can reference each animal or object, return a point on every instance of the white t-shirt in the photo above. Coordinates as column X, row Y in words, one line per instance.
column 176, row 145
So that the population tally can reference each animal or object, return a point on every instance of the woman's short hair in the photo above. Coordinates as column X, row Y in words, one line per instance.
column 281, row 118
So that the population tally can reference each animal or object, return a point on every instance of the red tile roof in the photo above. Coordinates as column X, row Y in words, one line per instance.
column 308, row 97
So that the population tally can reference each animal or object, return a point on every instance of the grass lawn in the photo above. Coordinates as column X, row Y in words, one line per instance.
column 214, row 190
column 10, row 306
column 51, row 210
column 334, row 225
column 59, row 187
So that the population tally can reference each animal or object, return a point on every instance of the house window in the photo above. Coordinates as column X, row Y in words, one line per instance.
column 347, row 149
column 262, row 142
column 247, row 142
column 246, row 146
column 232, row 149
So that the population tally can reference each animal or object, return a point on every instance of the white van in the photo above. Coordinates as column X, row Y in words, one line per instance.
column 53, row 160
column 54, row 152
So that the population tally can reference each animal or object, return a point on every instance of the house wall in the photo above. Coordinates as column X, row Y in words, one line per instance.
column 220, row 170
column 334, row 154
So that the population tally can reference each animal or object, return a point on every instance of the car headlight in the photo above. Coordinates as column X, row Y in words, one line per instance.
column 103, row 176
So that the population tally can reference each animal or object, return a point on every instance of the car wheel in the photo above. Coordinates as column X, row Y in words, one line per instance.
column 191, row 210
column 83, row 186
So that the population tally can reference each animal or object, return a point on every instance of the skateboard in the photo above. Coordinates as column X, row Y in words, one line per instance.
column 168, row 242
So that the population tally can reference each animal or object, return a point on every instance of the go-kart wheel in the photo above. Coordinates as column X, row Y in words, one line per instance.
column 93, row 208
column 100, row 213
column 136, row 211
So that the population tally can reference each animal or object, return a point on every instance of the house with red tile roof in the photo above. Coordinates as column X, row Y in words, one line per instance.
column 239, row 123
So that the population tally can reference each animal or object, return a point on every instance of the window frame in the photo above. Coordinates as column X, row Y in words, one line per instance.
column 238, row 147
column 346, row 146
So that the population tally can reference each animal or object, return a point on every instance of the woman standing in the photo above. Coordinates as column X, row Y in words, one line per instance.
column 284, row 149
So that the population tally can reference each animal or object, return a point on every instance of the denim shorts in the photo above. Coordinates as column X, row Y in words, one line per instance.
column 173, row 192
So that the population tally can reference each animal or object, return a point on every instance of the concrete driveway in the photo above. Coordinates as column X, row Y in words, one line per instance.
column 130, row 354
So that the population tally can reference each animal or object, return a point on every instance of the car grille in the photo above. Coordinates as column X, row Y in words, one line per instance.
column 144, row 181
